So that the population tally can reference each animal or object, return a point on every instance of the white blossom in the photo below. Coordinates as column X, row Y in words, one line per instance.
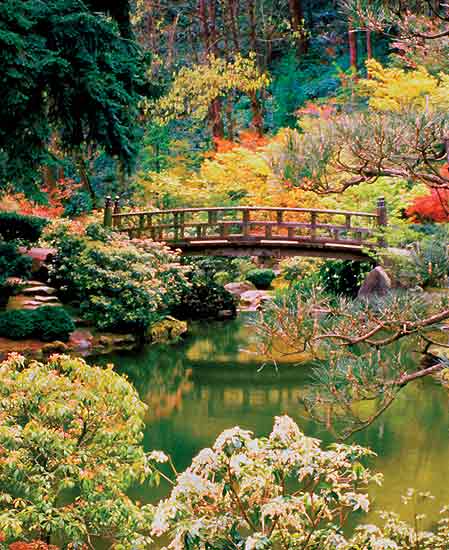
column 158, row 456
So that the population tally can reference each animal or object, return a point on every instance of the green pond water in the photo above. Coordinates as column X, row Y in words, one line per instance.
column 212, row 381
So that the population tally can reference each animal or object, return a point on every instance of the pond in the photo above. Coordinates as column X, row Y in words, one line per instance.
column 212, row 381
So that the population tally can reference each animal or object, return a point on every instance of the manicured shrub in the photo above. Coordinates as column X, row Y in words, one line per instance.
column 52, row 323
column 12, row 263
column 119, row 285
column 17, row 324
column 261, row 278
column 46, row 323
column 18, row 226
column 343, row 277
column 204, row 300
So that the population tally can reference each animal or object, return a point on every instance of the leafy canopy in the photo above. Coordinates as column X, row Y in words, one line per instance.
column 65, row 72
column 69, row 449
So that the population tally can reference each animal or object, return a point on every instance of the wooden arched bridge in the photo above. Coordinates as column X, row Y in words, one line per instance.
column 256, row 231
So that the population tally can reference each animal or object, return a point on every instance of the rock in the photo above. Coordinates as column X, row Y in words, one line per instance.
column 238, row 288
column 167, row 330
column 251, row 300
column 47, row 300
column 224, row 314
column 55, row 347
column 376, row 283
column 32, row 302
column 112, row 339
column 40, row 258
column 47, row 290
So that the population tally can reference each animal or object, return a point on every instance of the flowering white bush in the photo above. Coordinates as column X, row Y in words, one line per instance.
column 256, row 493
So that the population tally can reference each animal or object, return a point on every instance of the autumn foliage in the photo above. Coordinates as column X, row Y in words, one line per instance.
column 433, row 207
column 34, row 545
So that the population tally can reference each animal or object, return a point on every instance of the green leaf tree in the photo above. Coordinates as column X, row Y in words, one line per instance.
column 70, row 447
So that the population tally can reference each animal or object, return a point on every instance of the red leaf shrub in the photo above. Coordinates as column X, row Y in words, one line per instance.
column 433, row 207
column 34, row 545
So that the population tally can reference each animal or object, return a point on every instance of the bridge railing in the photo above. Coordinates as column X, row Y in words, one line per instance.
column 248, row 223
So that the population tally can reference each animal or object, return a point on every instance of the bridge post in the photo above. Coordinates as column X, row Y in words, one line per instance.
column 382, row 219
column 116, row 221
column 107, row 216
column 245, row 224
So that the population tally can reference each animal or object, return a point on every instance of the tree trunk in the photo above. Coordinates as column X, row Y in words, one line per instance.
column 252, row 25
column 353, row 53
column 85, row 177
column 216, row 119
column 233, row 11
column 209, row 38
column 204, row 26
column 369, row 45
column 256, row 107
column 297, row 20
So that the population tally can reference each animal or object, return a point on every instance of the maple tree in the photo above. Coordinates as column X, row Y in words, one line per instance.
column 403, row 134
column 70, row 447
column 194, row 90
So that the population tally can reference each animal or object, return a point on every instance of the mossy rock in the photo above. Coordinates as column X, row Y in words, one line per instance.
column 168, row 330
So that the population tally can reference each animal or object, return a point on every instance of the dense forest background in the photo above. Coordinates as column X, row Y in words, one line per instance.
column 190, row 102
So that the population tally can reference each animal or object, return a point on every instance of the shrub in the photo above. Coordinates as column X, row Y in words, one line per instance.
column 12, row 263
column 343, row 277
column 430, row 260
column 220, row 268
column 70, row 449
column 17, row 324
column 261, row 278
column 297, row 267
column 46, row 323
column 14, row 226
column 280, row 491
column 52, row 323
column 119, row 285
column 204, row 300
column 77, row 204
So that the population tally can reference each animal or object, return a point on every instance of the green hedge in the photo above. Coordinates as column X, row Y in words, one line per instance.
column 46, row 323
column 12, row 263
column 18, row 226
column 204, row 300
column 343, row 277
column 261, row 278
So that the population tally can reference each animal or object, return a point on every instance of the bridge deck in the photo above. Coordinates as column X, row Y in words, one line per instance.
column 262, row 231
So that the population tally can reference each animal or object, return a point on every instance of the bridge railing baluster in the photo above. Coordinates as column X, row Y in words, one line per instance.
column 382, row 220
column 279, row 222
column 313, row 228
column 182, row 225
column 245, row 223
column 141, row 225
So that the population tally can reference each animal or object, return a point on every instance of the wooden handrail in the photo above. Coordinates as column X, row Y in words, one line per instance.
column 244, row 208
column 175, row 226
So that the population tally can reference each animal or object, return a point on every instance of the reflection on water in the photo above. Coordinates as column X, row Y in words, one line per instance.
column 212, row 381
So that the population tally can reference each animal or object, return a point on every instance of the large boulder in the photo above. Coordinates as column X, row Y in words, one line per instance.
column 238, row 288
column 377, row 283
column 251, row 300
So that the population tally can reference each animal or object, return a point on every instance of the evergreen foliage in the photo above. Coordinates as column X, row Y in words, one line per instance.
column 65, row 72
column 45, row 323
column 14, row 226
